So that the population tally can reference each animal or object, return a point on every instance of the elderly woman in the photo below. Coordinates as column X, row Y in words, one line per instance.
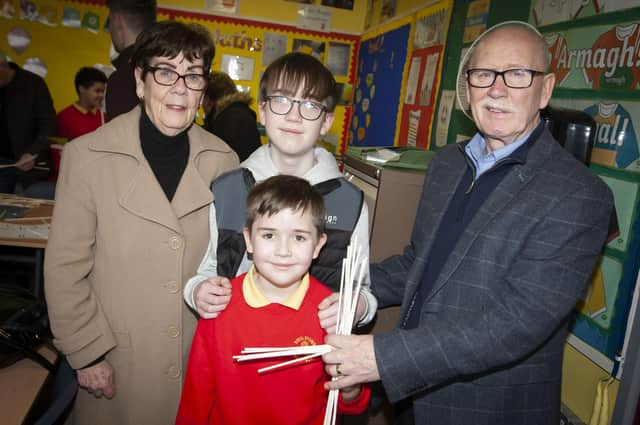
column 129, row 227
column 229, row 115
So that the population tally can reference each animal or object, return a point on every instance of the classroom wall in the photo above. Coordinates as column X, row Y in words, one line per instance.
column 284, row 12
column 64, row 45
column 398, row 75
column 81, row 47
column 71, row 49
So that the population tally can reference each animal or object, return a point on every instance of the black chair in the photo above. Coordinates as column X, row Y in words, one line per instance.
column 56, row 397
column 576, row 131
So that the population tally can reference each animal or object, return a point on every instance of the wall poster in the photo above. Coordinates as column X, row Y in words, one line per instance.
column 378, row 87
column 33, row 35
column 603, row 312
column 547, row 12
column 600, row 57
column 421, row 86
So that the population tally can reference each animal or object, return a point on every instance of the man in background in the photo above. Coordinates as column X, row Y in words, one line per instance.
column 508, row 230
column 27, row 120
column 127, row 19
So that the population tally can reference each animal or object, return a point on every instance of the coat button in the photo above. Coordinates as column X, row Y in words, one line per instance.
column 174, row 371
column 172, row 287
column 173, row 332
column 175, row 243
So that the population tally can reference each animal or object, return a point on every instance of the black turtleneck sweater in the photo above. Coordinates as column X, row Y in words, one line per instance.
column 167, row 155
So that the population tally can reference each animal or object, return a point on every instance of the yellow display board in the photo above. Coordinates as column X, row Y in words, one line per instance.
column 343, row 20
column 245, row 48
column 399, row 69
column 55, row 47
column 55, row 38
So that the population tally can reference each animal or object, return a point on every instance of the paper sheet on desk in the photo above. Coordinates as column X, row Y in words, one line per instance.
column 24, row 231
column 381, row 155
column 24, row 218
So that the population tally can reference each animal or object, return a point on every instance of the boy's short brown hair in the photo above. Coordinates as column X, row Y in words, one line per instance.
column 280, row 192
column 297, row 70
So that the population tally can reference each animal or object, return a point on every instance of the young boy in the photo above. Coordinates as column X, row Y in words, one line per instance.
column 85, row 115
column 296, row 101
column 274, row 304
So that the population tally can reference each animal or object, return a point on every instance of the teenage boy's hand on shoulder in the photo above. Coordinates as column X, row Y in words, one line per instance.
column 212, row 296
column 328, row 312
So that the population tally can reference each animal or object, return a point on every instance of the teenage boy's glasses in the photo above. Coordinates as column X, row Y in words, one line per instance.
column 167, row 77
column 282, row 105
column 516, row 78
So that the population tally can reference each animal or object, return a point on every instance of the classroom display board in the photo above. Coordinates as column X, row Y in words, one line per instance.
column 603, row 313
column 381, row 66
column 547, row 12
column 54, row 38
column 398, row 79
column 597, row 57
column 597, row 68
column 245, row 48
column 468, row 20
column 423, row 81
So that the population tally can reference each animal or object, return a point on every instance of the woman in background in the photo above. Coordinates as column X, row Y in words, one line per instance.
column 229, row 116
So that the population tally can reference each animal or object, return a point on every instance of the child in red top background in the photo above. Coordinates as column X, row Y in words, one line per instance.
column 85, row 115
column 274, row 304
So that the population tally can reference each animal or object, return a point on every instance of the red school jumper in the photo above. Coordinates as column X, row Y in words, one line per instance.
column 75, row 121
column 219, row 390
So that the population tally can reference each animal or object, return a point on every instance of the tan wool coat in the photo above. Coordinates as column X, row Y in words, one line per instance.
column 117, row 257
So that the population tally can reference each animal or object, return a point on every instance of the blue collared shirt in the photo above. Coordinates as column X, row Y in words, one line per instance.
column 476, row 150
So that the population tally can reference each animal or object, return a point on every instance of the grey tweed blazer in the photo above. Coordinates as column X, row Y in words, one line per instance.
column 488, row 349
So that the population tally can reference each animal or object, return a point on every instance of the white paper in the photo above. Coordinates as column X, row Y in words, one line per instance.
column 238, row 67
column 412, row 81
column 314, row 18
column 444, row 116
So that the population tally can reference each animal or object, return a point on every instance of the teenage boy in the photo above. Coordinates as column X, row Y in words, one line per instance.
column 297, row 97
column 274, row 304
column 85, row 115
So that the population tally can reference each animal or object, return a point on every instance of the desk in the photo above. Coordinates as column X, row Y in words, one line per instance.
column 392, row 195
column 25, row 222
column 20, row 385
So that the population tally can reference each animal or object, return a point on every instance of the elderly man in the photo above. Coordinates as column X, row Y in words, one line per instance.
column 507, row 232
column 127, row 19
column 27, row 120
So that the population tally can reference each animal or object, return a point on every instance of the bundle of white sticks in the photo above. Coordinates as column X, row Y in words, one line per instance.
column 354, row 268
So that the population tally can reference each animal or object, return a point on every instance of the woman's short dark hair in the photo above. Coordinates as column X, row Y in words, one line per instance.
column 220, row 85
column 298, row 70
column 169, row 39
column 88, row 76
column 284, row 191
